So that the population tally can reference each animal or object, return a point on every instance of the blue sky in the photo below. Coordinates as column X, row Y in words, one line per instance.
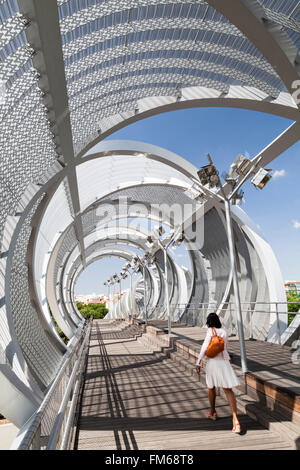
column 224, row 133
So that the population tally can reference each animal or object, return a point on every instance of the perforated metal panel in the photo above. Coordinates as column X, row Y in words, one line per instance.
column 41, row 355
column 26, row 145
column 117, row 52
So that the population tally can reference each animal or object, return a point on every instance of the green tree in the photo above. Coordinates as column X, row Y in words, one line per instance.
column 59, row 331
column 98, row 311
column 293, row 296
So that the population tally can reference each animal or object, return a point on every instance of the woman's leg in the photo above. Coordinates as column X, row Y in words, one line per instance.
column 232, row 403
column 212, row 399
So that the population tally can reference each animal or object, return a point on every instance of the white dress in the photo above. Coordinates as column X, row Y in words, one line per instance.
column 219, row 372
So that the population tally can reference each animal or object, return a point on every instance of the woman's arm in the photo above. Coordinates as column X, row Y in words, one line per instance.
column 204, row 346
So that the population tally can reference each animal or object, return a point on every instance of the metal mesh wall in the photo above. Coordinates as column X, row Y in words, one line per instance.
column 41, row 355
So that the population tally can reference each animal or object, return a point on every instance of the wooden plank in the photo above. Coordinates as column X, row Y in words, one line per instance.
column 134, row 399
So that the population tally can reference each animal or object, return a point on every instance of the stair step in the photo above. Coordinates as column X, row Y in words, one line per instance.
column 271, row 419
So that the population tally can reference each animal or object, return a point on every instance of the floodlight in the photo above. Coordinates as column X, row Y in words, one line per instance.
column 158, row 230
column 240, row 166
column 135, row 260
column 149, row 241
column 261, row 178
column 208, row 174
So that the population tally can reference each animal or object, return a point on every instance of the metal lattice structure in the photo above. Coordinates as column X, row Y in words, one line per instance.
column 73, row 72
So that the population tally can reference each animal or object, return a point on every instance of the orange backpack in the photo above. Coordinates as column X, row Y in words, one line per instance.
column 215, row 346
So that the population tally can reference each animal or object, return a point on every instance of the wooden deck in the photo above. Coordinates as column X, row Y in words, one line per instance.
column 134, row 398
column 271, row 368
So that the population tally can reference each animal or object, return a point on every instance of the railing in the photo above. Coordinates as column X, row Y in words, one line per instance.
column 51, row 425
column 195, row 315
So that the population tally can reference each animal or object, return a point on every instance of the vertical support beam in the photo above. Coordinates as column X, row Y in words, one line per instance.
column 120, row 298
column 145, row 295
column 166, row 287
column 236, row 286
column 131, row 296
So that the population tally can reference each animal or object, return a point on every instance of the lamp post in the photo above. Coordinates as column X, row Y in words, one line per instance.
column 209, row 175
column 113, row 298
column 118, row 307
column 140, row 264
column 174, row 238
column 119, row 298
column 123, row 275
column 145, row 293
column 107, row 283
column 127, row 270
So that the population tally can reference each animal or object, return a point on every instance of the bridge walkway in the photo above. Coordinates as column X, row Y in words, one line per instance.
column 137, row 398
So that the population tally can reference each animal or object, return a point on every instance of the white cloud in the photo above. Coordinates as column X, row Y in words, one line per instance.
column 296, row 224
column 279, row 173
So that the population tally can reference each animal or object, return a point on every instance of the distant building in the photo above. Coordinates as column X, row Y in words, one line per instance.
column 96, row 299
column 91, row 298
column 292, row 286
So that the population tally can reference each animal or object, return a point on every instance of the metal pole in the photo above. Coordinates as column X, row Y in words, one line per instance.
column 167, row 288
column 277, row 325
column 120, row 313
column 236, row 286
column 108, row 300
column 131, row 299
column 114, row 304
column 145, row 294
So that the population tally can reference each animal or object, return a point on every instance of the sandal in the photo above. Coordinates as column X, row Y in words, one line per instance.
column 237, row 428
column 212, row 416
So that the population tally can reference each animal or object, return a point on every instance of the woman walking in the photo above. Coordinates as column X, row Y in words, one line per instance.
column 219, row 372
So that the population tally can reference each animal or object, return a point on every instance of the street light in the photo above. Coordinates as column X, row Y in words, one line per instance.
column 112, row 282
column 118, row 281
column 141, row 264
column 173, row 238
column 204, row 177
column 123, row 275
column 107, row 283
column 127, row 268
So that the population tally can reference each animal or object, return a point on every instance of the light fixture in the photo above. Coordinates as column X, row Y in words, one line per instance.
column 261, row 178
column 178, row 94
column 240, row 166
column 158, row 230
column 23, row 20
column 149, row 241
column 208, row 175
column 135, row 260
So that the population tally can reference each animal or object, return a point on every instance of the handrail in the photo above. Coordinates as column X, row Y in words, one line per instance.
column 195, row 314
column 54, row 436
column 30, row 436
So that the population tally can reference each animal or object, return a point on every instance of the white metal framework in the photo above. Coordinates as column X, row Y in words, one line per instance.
column 73, row 72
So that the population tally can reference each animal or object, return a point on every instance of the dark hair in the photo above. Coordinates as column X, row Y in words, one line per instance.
column 213, row 321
